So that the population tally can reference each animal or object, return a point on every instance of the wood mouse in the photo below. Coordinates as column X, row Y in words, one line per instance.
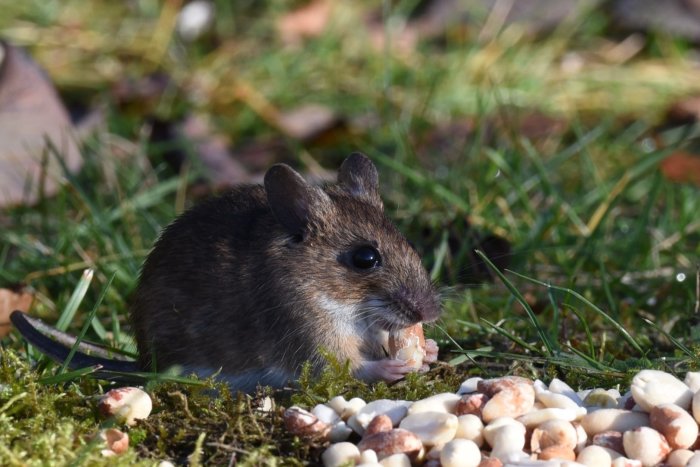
column 256, row 282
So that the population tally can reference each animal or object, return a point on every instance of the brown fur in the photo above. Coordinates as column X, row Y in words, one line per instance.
column 244, row 282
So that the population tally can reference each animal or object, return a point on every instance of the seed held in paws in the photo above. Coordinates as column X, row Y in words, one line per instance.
column 408, row 345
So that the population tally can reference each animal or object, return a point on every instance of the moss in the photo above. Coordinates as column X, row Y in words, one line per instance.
column 47, row 425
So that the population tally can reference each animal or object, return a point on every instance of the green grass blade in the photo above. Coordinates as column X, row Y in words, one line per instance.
column 70, row 375
column 675, row 341
column 74, row 302
column 627, row 336
column 510, row 336
column 87, row 324
column 519, row 297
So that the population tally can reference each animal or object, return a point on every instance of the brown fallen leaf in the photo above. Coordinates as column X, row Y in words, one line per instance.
column 682, row 167
column 11, row 300
column 305, row 22
column 307, row 122
column 32, row 121
column 212, row 149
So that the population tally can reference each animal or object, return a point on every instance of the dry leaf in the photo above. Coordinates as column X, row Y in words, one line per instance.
column 10, row 301
column 31, row 114
column 308, row 21
column 682, row 167
column 212, row 149
column 307, row 122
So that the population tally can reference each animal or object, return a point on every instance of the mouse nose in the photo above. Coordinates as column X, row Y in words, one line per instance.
column 418, row 305
column 430, row 309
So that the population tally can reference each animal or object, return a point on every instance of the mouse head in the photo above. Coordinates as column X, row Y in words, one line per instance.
column 356, row 263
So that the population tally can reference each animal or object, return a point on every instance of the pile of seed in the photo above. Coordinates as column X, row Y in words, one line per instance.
column 515, row 421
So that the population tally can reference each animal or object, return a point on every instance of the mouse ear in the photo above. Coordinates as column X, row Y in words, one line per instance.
column 359, row 177
column 292, row 200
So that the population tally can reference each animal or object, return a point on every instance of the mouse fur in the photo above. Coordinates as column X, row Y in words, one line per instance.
column 251, row 284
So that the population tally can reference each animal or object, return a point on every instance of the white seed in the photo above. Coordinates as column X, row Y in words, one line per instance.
column 338, row 403
column 303, row 423
column 348, row 408
column 489, row 432
column 326, row 414
column 460, row 453
column 558, row 386
column 696, row 406
column 556, row 452
column 354, row 405
column 398, row 440
column 694, row 461
column 606, row 399
column 470, row 427
column 509, row 396
column 126, row 405
column 613, row 420
column 339, row 454
column 408, row 345
column 554, row 400
column 645, row 445
column 553, row 433
column 469, row 385
column 692, row 380
column 395, row 410
column 368, row 456
column 396, row 460
column 581, row 436
column 623, row 461
column 508, row 442
column 355, row 425
column 594, row 456
column 679, row 458
column 537, row 417
column 676, row 424
column 433, row 428
column 511, row 401
column 340, row 431
column 471, row 404
column 654, row 387
column 445, row 402
column 266, row 405
column 520, row 461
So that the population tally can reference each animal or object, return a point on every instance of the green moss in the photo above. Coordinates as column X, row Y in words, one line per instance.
column 47, row 425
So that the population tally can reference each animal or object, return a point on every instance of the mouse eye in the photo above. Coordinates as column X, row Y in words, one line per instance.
column 365, row 257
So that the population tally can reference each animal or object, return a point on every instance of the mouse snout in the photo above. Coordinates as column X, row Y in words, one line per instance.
column 418, row 305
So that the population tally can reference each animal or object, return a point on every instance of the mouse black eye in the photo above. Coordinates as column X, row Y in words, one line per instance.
column 365, row 257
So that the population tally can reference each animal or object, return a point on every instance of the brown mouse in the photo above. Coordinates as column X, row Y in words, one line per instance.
column 256, row 282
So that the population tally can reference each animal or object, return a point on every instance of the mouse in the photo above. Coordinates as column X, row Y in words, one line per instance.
column 250, row 285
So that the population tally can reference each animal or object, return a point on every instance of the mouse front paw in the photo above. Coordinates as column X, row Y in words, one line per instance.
column 387, row 370
column 431, row 351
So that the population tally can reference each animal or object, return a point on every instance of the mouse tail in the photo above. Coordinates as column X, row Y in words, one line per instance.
column 58, row 347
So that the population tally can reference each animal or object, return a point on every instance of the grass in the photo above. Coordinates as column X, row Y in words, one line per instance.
column 600, row 280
